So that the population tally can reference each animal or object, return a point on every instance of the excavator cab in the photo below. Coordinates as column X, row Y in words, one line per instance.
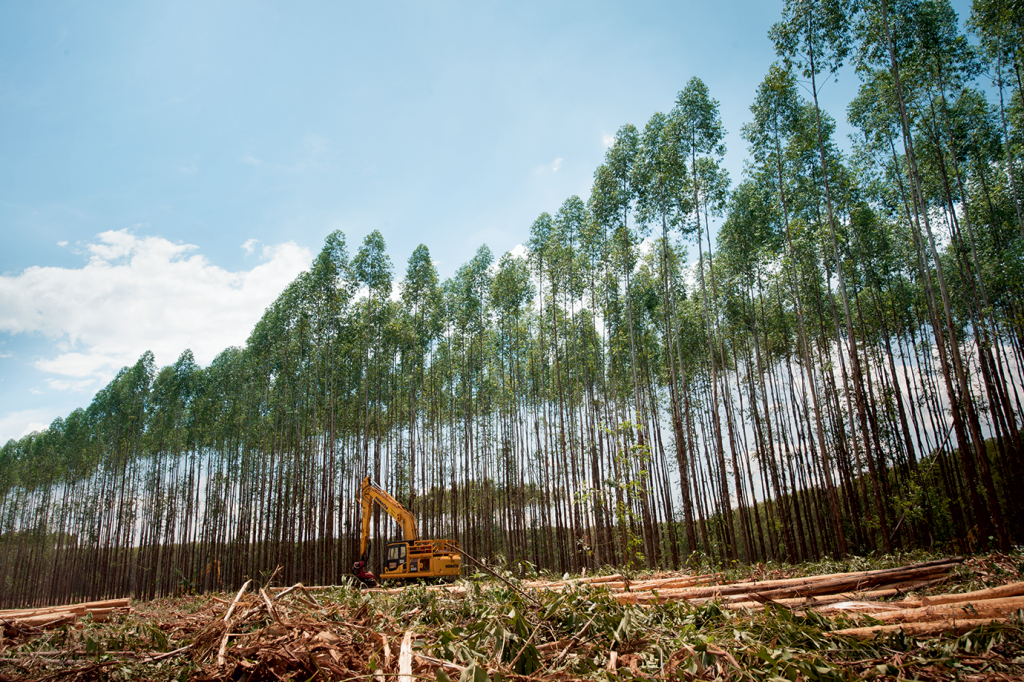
column 396, row 556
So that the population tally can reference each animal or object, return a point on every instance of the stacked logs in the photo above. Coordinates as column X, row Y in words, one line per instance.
column 20, row 620
column 788, row 592
column 854, row 594
column 945, row 613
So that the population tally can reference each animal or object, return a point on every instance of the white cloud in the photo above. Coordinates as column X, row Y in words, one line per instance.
column 249, row 245
column 556, row 164
column 33, row 426
column 608, row 140
column 23, row 422
column 62, row 243
column 519, row 251
column 137, row 294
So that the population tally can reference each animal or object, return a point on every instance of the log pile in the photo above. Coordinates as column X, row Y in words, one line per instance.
column 855, row 595
column 944, row 613
column 808, row 592
column 16, row 621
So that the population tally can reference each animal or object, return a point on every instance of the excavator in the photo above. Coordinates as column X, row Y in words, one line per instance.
column 411, row 558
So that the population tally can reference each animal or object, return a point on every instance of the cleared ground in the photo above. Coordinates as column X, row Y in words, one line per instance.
column 897, row 617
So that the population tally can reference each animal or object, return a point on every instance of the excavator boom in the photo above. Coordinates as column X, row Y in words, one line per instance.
column 370, row 493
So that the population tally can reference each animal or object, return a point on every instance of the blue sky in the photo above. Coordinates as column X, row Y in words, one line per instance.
column 166, row 168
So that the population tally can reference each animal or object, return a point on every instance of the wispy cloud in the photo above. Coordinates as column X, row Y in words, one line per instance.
column 548, row 168
column 310, row 153
column 249, row 246
column 608, row 140
column 71, row 385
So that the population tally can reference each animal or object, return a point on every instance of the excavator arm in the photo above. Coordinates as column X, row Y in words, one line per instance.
column 370, row 493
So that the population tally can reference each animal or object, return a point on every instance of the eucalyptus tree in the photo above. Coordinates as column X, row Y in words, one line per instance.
column 548, row 254
column 879, row 168
column 890, row 41
column 471, row 292
column 697, row 133
column 612, row 199
column 748, row 245
column 999, row 24
column 421, row 297
column 661, row 176
column 955, row 129
column 815, row 37
column 602, row 284
column 749, row 241
column 956, row 117
column 567, row 277
column 776, row 113
column 372, row 268
column 511, row 295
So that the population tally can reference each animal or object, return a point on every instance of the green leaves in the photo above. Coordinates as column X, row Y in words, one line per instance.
column 473, row 673
column 814, row 35
column 699, row 130
column 372, row 266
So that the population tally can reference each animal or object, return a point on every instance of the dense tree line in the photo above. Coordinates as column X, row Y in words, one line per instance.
column 835, row 369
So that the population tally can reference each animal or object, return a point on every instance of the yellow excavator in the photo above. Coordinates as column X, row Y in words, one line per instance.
column 412, row 557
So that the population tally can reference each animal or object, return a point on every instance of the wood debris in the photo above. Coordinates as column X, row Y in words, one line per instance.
column 285, row 634
column 263, row 633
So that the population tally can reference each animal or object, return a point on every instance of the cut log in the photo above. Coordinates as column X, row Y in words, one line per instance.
column 776, row 590
column 100, row 615
column 671, row 583
column 871, row 607
column 935, row 628
column 823, row 603
column 47, row 620
column 80, row 609
column 857, row 582
column 1011, row 590
column 985, row 608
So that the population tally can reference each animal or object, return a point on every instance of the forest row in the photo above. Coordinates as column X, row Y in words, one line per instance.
column 823, row 358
